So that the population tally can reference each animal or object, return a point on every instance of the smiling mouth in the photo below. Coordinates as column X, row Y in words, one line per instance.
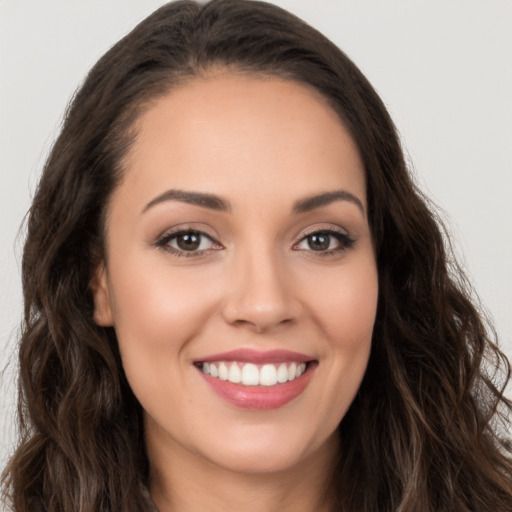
column 257, row 380
column 250, row 374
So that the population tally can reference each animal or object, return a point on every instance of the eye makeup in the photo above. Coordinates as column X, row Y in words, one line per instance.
column 325, row 242
column 188, row 242
column 192, row 242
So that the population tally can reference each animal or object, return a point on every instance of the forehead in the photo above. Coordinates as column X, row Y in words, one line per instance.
column 230, row 132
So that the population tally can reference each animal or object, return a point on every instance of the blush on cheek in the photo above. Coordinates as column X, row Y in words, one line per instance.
column 157, row 301
column 349, row 308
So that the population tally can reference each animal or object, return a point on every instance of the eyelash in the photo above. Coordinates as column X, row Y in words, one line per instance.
column 345, row 241
column 164, row 243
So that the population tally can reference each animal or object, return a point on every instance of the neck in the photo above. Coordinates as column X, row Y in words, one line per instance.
column 185, row 482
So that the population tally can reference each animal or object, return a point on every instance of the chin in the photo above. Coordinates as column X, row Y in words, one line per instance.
column 266, row 452
column 252, row 462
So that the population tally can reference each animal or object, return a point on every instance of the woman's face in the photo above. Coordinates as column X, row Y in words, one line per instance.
column 238, row 247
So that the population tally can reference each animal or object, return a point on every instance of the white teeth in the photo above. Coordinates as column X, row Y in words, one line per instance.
column 282, row 373
column 223, row 371
column 292, row 371
column 268, row 375
column 235, row 374
column 249, row 374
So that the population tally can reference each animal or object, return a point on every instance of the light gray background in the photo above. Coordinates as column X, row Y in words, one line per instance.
column 443, row 68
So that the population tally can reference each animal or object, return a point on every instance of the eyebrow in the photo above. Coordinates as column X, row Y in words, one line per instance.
column 310, row 203
column 210, row 201
column 214, row 202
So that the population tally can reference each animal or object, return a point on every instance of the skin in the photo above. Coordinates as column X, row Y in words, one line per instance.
column 261, row 144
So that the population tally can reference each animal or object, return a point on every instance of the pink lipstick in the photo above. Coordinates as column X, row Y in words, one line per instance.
column 257, row 380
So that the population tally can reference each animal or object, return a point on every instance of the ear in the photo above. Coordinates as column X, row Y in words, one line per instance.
column 101, row 295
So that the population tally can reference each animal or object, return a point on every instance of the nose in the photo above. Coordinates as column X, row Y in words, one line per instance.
column 261, row 294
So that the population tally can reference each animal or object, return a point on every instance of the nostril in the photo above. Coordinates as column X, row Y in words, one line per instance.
column 259, row 296
column 263, row 324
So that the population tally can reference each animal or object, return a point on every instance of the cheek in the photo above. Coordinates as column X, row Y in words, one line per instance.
column 156, row 313
column 344, row 308
column 344, row 304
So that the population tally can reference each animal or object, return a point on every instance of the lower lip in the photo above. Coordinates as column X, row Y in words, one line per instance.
column 259, row 397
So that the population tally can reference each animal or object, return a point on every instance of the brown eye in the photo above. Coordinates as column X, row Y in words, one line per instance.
column 188, row 241
column 319, row 241
column 325, row 241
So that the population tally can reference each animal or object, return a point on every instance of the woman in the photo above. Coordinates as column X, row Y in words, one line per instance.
column 235, row 298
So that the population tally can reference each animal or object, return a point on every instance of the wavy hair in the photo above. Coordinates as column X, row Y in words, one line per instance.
column 427, row 430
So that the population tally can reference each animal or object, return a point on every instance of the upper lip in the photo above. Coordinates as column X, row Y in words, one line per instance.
column 257, row 357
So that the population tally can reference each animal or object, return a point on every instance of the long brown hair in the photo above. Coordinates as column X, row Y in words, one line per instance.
column 428, row 430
